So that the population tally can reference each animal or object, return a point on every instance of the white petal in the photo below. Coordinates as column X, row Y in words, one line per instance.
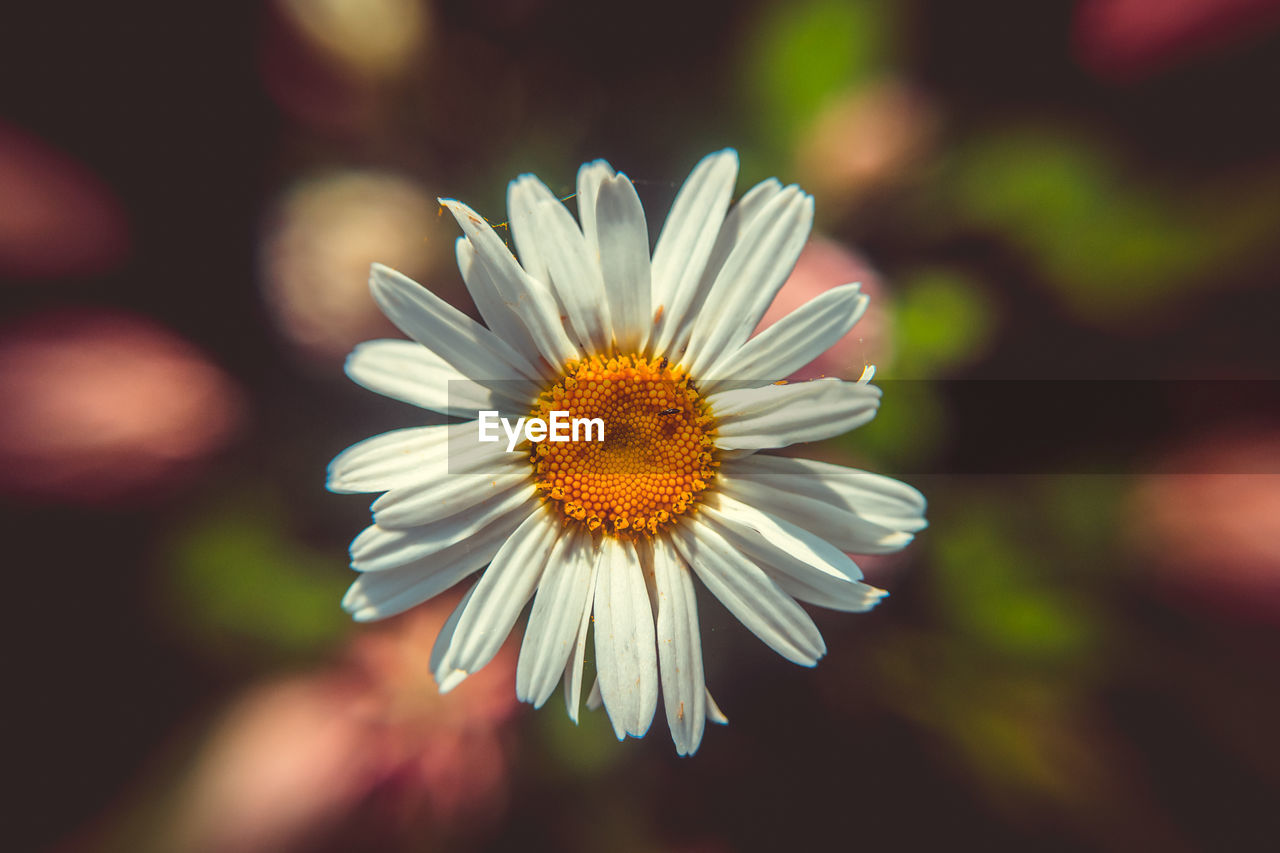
column 377, row 595
column 752, row 275
column 406, row 371
column 806, row 566
column 590, row 177
column 688, row 235
column 377, row 549
column 524, row 229
column 624, row 261
column 552, row 631
column 574, row 272
column 737, row 222
column 445, row 330
column 792, row 342
column 684, row 690
column 626, row 657
column 462, row 473
column 504, row 589
column 714, row 714
column 573, row 669
column 675, row 327
column 395, row 458
column 528, row 296
column 594, row 700
column 856, row 511
column 448, row 679
column 779, row 415
column 426, row 502
column 502, row 317
column 749, row 594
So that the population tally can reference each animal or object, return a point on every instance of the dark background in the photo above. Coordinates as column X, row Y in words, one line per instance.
column 1079, row 652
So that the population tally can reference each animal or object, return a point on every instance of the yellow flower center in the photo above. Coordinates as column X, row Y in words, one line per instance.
column 657, row 454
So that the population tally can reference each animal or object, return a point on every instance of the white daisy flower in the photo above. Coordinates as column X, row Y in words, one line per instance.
column 607, row 536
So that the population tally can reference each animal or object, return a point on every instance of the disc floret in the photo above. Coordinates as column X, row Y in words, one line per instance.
column 658, row 451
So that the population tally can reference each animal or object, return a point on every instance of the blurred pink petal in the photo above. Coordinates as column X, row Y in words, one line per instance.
column 825, row 264
column 285, row 762
column 104, row 405
column 1211, row 532
column 365, row 743
column 866, row 139
column 1125, row 39
column 57, row 218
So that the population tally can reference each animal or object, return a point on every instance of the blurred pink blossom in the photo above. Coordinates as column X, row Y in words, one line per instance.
column 869, row 138
column 825, row 264
column 364, row 753
column 102, row 405
column 324, row 233
column 1126, row 39
column 57, row 218
column 1211, row 531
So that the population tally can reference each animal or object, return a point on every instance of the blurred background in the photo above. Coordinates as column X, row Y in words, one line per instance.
column 1067, row 214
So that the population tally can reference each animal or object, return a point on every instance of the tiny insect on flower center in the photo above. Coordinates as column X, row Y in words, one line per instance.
column 658, row 451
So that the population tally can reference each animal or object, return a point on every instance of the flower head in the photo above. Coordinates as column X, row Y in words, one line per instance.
column 606, row 532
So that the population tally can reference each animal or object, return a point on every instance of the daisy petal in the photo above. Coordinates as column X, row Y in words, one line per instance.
column 503, row 590
column 377, row 595
column 674, row 327
column 627, row 663
column 752, row 275
column 448, row 679
column 406, row 371
column 445, row 330
column 793, row 341
column 553, row 623
column 749, row 594
column 806, row 566
column 736, row 223
column 779, row 415
column 422, row 503
column 530, row 297
column 521, row 205
column 684, row 692
column 573, row 669
column 501, row 316
column 856, row 511
column 624, row 261
column 688, row 235
column 714, row 714
column 395, row 458
column 377, row 549
column 574, row 272
column 590, row 177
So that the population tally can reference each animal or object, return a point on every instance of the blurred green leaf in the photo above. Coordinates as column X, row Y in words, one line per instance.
column 238, row 587
column 1006, row 592
column 1087, row 510
column 942, row 319
column 800, row 54
column 1111, row 243
column 908, row 428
